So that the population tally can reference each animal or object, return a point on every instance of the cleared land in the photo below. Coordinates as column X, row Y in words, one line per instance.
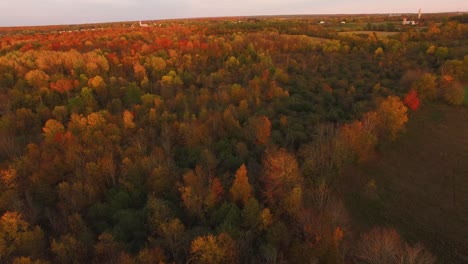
column 419, row 184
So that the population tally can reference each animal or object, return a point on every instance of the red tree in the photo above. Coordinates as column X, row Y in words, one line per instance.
column 411, row 100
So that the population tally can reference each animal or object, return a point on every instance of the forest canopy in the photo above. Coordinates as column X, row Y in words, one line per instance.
column 208, row 141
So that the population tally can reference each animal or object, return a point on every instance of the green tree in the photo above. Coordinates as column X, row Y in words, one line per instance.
column 426, row 86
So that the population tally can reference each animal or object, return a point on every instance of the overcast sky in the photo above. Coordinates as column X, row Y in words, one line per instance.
column 46, row 12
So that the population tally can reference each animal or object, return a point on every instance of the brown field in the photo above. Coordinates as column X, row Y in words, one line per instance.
column 421, row 184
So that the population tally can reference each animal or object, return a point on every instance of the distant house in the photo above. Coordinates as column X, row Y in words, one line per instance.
column 408, row 22
column 322, row 22
column 343, row 22
column 143, row 25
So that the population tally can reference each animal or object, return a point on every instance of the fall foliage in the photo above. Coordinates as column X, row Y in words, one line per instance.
column 208, row 140
column 241, row 189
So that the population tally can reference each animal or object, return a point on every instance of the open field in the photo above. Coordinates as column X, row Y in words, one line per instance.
column 421, row 184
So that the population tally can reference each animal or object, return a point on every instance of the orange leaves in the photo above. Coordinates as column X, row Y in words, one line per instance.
column 140, row 71
column 281, row 178
column 8, row 178
column 198, row 192
column 37, row 78
column 52, row 127
column 262, row 129
column 411, row 100
column 163, row 43
column 62, row 85
column 338, row 235
column 17, row 237
column 215, row 194
column 359, row 140
column 241, row 189
column 258, row 129
column 128, row 120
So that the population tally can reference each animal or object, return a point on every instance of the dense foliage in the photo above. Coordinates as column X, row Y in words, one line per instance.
column 215, row 141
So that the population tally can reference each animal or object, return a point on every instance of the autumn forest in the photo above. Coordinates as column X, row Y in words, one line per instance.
column 227, row 140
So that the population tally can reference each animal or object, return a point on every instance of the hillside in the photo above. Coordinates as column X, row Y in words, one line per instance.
column 421, row 183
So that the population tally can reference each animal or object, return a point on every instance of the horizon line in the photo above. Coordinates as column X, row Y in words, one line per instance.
column 234, row 16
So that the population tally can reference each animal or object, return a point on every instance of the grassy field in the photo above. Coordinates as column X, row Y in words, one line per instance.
column 419, row 184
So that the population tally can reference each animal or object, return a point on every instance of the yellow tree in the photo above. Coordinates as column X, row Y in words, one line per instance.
column 96, row 82
column 17, row 237
column 37, row 78
column 241, row 189
column 213, row 250
column 51, row 128
column 392, row 117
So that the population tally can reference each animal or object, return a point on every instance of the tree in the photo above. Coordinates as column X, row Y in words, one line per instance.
column 18, row 238
column 51, row 128
column 140, row 72
column 280, row 177
column 37, row 78
column 452, row 91
column 62, row 85
column 261, row 128
column 128, row 120
column 213, row 250
column 215, row 194
column 411, row 100
column 173, row 233
column 380, row 246
column 106, row 250
column 392, row 117
column 241, row 189
column 151, row 255
column 384, row 246
column 251, row 213
column 199, row 193
column 426, row 86
column 326, row 155
column 358, row 140
column 97, row 82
